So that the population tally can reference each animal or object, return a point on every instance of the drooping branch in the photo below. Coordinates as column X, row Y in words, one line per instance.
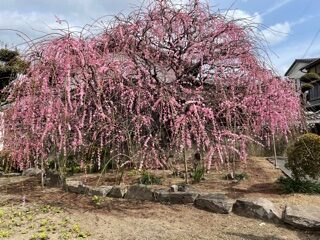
column 158, row 82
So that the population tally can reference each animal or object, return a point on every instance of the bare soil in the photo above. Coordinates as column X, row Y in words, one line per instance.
column 261, row 181
column 72, row 216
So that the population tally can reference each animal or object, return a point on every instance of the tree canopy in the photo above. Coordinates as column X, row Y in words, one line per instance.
column 10, row 66
column 152, row 85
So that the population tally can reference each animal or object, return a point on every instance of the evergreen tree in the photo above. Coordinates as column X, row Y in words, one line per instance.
column 11, row 65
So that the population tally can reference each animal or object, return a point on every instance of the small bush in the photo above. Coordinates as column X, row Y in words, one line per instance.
column 310, row 77
column 6, row 55
column 198, row 174
column 304, row 157
column 6, row 162
column 299, row 186
column 306, row 87
column 40, row 236
column 241, row 176
column 4, row 234
column 96, row 200
column 237, row 176
column 149, row 179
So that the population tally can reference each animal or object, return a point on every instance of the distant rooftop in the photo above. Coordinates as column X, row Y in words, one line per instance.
column 313, row 63
column 301, row 60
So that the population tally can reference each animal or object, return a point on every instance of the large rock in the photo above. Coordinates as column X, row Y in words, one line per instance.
column 76, row 187
column 54, row 179
column 32, row 172
column 72, row 185
column 304, row 217
column 175, row 197
column 140, row 192
column 260, row 208
column 186, row 188
column 118, row 191
column 174, row 188
column 217, row 203
column 100, row 191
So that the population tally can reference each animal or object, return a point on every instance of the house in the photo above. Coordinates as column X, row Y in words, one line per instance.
column 312, row 97
column 294, row 72
column 297, row 70
column 314, row 93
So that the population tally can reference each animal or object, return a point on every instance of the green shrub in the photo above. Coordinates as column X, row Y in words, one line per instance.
column 96, row 200
column 198, row 174
column 7, row 55
column 5, row 161
column 40, row 236
column 149, row 178
column 237, row 176
column 4, row 234
column 306, row 87
column 241, row 176
column 304, row 157
column 310, row 77
column 299, row 186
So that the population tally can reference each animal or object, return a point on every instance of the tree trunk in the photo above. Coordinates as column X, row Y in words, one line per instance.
column 274, row 152
column 185, row 167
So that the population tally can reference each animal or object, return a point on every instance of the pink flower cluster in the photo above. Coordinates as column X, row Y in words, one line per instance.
column 155, row 83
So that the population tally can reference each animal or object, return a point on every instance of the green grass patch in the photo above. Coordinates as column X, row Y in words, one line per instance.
column 148, row 178
column 299, row 186
column 198, row 174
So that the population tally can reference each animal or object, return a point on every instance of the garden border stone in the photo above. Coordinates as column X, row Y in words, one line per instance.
column 140, row 192
column 175, row 197
column 72, row 186
column 100, row 191
column 260, row 208
column 118, row 191
column 215, row 202
column 305, row 217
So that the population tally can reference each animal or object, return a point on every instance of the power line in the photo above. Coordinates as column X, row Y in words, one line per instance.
column 312, row 42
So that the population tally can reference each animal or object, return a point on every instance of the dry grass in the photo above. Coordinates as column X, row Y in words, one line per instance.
column 123, row 219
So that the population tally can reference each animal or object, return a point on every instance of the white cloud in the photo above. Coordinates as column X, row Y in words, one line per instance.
column 276, row 6
column 243, row 17
column 273, row 34
column 35, row 18
column 285, row 56
column 277, row 33
column 26, row 25
column 180, row 2
column 34, row 15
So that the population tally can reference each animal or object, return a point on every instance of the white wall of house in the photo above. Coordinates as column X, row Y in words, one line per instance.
column 295, row 72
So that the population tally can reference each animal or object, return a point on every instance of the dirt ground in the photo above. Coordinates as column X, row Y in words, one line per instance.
column 67, row 213
column 261, row 181
column 29, row 212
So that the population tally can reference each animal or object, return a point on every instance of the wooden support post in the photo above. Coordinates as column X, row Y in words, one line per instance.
column 274, row 152
column 185, row 166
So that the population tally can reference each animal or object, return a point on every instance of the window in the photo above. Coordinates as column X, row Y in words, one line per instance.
column 315, row 92
column 318, row 69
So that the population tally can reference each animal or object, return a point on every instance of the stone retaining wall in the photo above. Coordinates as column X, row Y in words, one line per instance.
column 302, row 217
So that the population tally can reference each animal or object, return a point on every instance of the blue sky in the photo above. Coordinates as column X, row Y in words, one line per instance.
column 289, row 26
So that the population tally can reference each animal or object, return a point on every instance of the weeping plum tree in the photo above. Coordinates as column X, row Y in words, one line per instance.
column 157, row 83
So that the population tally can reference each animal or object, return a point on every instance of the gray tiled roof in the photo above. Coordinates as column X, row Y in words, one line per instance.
column 302, row 60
